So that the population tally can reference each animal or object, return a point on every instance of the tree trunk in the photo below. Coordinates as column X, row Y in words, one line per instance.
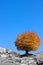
column 26, row 52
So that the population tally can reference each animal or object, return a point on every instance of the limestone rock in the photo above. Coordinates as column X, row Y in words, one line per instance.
column 9, row 57
column 3, row 50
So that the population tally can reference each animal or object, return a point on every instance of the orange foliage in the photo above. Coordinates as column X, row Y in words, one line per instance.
column 27, row 41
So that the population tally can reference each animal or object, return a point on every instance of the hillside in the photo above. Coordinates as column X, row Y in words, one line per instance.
column 9, row 57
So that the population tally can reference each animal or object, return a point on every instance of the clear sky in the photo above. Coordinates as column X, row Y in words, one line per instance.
column 18, row 16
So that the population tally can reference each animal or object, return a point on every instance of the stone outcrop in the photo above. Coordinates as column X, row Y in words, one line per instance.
column 9, row 57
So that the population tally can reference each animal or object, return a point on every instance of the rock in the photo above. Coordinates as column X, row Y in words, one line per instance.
column 39, row 57
column 4, row 55
column 3, row 50
column 9, row 57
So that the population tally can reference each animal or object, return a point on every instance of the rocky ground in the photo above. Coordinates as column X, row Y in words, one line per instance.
column 9, row 57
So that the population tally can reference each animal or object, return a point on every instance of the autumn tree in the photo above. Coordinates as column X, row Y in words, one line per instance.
column 27, row 41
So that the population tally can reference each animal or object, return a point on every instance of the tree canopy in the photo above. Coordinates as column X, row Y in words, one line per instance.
column 27, row 41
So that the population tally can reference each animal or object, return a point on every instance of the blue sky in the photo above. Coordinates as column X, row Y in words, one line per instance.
column 18, row 16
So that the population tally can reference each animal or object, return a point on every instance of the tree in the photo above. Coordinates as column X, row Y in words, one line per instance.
column 27, row 41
